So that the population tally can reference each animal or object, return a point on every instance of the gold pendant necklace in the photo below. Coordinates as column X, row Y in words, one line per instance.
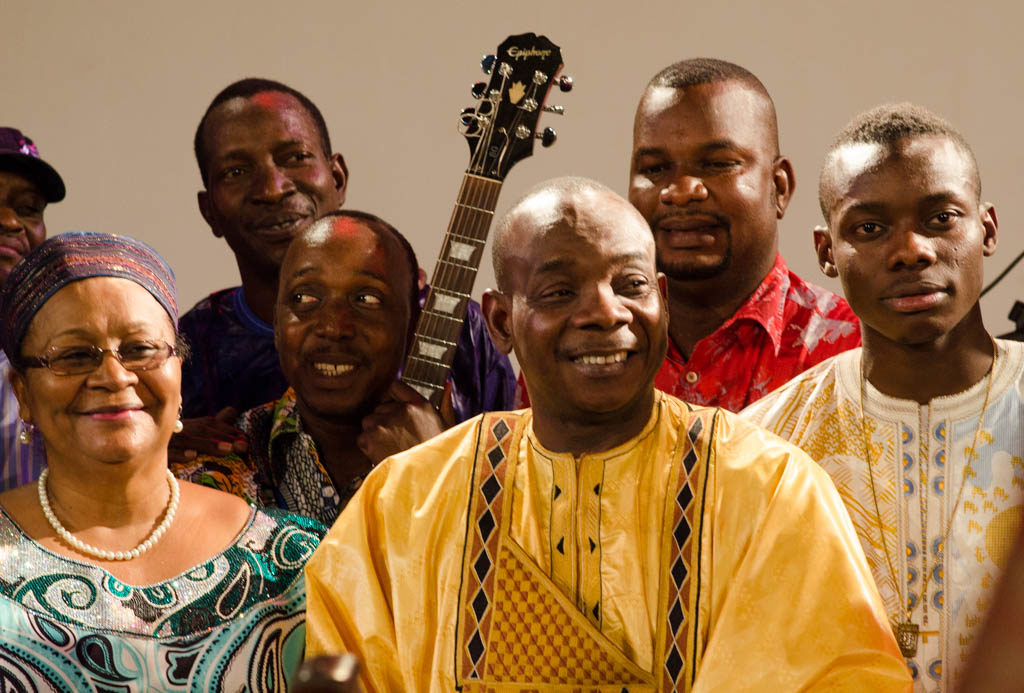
column 906, row 631
column 906, row 637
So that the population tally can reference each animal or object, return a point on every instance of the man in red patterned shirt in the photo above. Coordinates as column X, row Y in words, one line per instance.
column 707, row 175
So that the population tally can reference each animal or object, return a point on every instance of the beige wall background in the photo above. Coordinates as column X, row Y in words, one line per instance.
column 112, row 92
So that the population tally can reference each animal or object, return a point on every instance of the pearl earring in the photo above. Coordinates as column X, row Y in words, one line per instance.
column 25, row 435
column 179, row 426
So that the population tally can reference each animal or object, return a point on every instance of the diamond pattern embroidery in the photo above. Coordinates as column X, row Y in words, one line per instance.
column 491, row 489
column 486, row 525
column 500, row 430
column 496, row 456
column 690, row 460
column 482, row 544
column 482, row 565
column 480, row 604
column 476, row 648
column 679, row 572
column 675, row 662
column 676, row 616
column 695, row 430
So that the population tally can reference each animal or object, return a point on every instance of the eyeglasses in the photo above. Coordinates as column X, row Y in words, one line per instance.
column 75, row 360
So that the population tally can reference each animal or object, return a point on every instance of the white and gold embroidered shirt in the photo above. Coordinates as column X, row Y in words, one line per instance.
column 918, row 455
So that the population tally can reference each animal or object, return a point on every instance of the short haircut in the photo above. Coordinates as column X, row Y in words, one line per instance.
column 382, row 229
column 696, row 71
column 244, row 88
column 564, row 187
column 886, row 125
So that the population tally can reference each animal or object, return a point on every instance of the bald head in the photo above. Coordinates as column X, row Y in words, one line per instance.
column 581, row 304
column 557, row 204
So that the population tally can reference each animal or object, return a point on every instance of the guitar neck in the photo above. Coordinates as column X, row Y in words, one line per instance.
column 437, row 333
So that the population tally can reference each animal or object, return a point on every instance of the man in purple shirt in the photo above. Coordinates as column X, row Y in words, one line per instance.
column 27, row 185
column 268, row 172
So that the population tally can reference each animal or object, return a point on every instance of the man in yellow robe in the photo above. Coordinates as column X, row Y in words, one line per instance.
column 922, row 430
column 610, row 538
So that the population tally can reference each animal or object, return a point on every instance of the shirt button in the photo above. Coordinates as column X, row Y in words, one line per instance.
column 691, row 377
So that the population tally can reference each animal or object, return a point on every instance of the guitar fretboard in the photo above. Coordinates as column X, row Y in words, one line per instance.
column 437, row 333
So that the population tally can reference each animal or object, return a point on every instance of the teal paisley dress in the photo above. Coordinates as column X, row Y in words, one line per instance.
column 233, row 623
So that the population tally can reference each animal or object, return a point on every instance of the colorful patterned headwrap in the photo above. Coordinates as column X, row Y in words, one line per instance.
column 68, row 258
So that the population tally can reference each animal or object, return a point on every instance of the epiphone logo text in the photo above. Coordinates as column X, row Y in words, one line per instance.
column 523, row 53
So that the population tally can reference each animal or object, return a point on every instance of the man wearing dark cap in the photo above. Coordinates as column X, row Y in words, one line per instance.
column 27, row 185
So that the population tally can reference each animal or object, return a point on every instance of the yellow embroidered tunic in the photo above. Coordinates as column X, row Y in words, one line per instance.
column 918, row 454
column 704, row 554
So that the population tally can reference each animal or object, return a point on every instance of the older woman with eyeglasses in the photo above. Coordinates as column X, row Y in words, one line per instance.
column 113, row 575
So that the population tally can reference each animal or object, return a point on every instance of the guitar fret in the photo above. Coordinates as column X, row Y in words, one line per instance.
column 482, row 179
column 431, row 361
column 473, row 228
column 435, row 339
column 449, row 329
column 463, row 266
column 451, row 292
column 481, row 210
column 453, row 276
column 443, row 327
column 427, row 390
column 480, row 241
column 467, row 239
column 426, row 371
column 441, row 316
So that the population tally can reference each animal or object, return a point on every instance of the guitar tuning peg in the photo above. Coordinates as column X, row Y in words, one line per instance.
column 557, row 110
column 479, row 89
column 468, row 121
column 487, row 64
column 547, row 138
column 565, row 83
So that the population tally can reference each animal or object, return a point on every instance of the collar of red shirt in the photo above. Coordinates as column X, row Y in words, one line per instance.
column 766, row 306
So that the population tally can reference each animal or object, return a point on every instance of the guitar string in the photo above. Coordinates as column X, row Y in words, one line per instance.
column 468, row 223
column 472, row 192
column 415, row 369
column 446, row 273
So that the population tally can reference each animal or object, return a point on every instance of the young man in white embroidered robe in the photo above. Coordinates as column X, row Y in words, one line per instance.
column 610, row 538
column 922, row 430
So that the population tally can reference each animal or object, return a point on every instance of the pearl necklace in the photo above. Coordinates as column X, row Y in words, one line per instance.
column 89, row 550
